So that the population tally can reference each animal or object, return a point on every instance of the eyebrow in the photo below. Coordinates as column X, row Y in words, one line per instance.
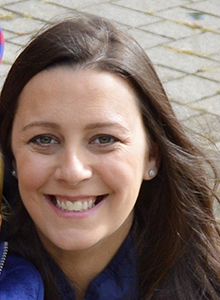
column 88, row 127
column 106, row 124
column 41, row 124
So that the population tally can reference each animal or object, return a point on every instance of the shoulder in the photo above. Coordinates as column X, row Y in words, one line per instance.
column 19, row 279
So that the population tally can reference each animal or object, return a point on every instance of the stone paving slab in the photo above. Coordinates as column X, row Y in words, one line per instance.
column 178, row 60
column 76, row 4
column 150, row 6
column 212, row 108
column 199, row 44
column 18, row 25
column 167, row 74
column 121, row 15
column 178, row 14
column 209, row 7
column 184, row 113
column 21, row 40
column 37, row 9
column 148, row 39
column 169, row 29
column 190, row 89
column 216, row 57
column 182, row 15
column 212, row 73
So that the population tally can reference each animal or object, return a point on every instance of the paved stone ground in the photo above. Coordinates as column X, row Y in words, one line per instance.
column 182, row 38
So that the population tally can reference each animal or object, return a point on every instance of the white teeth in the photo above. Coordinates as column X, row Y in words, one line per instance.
column 85, row 206
column 91, row 203
column 63, row 206
column 69, row 205
column 75, row 206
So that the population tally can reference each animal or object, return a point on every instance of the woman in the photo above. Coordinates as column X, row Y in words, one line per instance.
column 112, row 198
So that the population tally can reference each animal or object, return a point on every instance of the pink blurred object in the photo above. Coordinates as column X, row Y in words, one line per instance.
column 2, row 43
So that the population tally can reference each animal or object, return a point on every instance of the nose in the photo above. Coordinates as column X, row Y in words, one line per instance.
column 72, row 168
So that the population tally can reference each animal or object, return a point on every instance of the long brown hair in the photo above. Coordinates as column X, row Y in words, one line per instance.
column 176, row 232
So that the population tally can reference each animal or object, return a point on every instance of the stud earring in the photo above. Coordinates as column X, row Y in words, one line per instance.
column 152, row 173
column 13, row 173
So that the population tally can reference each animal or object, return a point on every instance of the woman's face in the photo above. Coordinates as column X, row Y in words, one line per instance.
column 81, row 154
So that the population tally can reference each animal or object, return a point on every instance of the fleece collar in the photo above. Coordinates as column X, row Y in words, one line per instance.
column 19, row 280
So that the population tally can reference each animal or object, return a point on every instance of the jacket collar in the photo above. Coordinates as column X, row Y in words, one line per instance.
column 118, row 281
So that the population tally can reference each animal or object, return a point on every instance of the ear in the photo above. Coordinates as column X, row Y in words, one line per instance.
column 152, row 163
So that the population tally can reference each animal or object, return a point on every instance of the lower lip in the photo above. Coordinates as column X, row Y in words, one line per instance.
column 73, row 214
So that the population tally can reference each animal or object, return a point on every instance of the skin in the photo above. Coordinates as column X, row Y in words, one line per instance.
column 78, row 134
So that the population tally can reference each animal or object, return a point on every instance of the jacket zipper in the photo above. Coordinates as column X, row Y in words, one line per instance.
column 4, row 256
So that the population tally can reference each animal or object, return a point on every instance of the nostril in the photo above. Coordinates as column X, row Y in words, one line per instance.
column 73, row 172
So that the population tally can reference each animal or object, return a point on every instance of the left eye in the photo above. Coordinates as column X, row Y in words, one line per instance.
column 104, row 139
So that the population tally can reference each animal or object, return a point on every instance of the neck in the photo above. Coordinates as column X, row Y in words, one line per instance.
column 82, row 266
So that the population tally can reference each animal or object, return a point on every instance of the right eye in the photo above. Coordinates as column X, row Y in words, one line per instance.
column 43, row 140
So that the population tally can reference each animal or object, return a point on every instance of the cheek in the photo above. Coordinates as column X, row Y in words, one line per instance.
column 123, row 171
column 32, row 171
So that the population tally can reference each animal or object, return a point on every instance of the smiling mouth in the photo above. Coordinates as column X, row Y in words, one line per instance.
column 77, row 206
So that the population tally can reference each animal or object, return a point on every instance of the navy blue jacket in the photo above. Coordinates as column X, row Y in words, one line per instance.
column 118, row 281
column 19, row 280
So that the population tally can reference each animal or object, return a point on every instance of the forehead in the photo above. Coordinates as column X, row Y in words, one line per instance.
column 65, row 87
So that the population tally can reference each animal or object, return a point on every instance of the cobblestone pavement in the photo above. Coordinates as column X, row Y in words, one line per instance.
column 182, row 38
